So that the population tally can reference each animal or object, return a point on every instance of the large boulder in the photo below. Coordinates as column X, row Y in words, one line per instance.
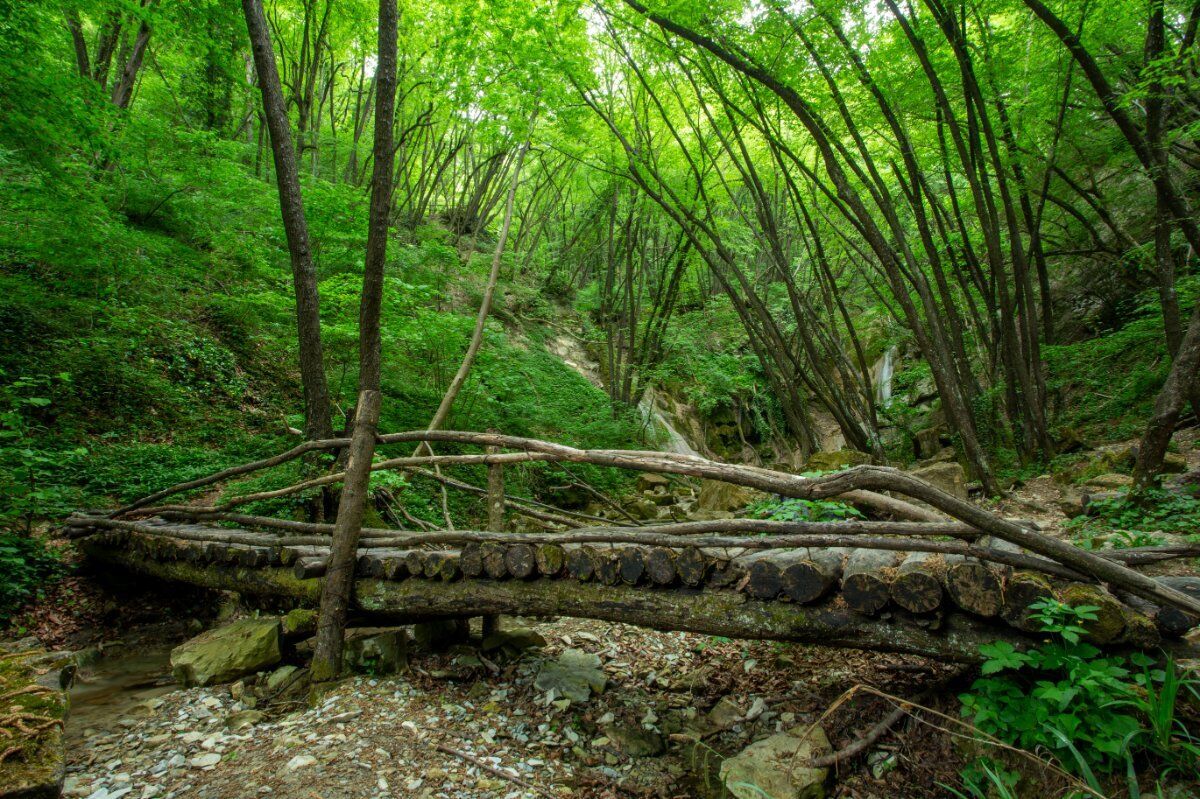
column 773, row 767
column 228, row 652
column 949, row 477
column 718, row 496
column 838, row 459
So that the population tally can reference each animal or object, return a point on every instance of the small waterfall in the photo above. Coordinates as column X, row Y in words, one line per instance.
column 883, row 371
column 671, row 439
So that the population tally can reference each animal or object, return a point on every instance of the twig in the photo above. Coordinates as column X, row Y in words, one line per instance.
column 513, row 778
column 860, row 745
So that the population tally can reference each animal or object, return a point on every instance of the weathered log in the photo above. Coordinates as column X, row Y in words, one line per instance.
column 974, row 586
column 304, row 568
column 442, row 566
column 289, row 555
column 846, row 483
column 1021, row 590
column 715, row 613
column 608, row 565
column 394, row 567
column 918, row 584
column 414, row 561
column 725, row 567
column 1109, row 622
column 581, row 565
column 471, row 559
column 631, row 565
column 866, row 579
column 551, row 559
column 666, row 535
column 764, row 572
column 520, row 561
column 810, row 577
column 691, row 564
column 1173, row 621
column 660, row 565
column 493, row 561
column 709, row 612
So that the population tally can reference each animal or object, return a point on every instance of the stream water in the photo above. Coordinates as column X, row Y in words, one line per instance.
column 121, row 679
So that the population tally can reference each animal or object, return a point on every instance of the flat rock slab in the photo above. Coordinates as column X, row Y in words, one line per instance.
column 773, row 767
column 35, row 682
column 228, row 652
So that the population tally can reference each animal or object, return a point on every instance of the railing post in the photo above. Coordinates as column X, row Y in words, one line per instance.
column 495, row 513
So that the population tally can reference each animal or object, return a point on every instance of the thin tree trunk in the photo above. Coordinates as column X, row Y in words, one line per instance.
column 339, row 580
column 485, row 307
column 317, row 420
column 339, row 577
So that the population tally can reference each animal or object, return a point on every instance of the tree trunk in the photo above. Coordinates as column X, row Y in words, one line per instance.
column 317, row 420
column 485, row 306
column 339, row 576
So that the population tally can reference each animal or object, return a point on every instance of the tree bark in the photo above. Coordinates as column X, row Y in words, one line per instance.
column 339, row 578
column 317, row 419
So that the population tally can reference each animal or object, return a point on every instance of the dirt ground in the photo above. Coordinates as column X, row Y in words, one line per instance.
column 453, row 727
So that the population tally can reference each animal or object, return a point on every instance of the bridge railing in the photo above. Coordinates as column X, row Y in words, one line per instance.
column 914, row 528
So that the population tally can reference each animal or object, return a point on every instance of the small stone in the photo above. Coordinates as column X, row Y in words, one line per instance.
column 205, row 760
column 300, row 761
column 243, row 719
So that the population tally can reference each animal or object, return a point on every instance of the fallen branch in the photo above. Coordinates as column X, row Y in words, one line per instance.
column 513, row 778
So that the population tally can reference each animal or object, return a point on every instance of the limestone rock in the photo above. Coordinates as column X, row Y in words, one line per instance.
column 948, row 477
column 243, row 719
column 632, row 740
column 769, row 769
column 832, row 461
column 928, row 442
column 717, row 496
column 648, row 481
column 642, row 509
column 513, row 642
column 575, row 675
column 280, row 678
column 1111, row 480
column 1174, row 463
column 227, row 653
column 376, row 651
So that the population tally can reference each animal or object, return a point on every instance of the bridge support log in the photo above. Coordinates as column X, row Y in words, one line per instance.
column 725, row 612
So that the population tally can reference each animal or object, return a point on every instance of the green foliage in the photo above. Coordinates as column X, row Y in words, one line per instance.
column 1123, row 521
column 26, row 565
column 787, row 509
column 1094, row 713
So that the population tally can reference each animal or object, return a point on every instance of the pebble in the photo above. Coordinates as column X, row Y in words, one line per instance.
column 300, row 761
column 205, row 760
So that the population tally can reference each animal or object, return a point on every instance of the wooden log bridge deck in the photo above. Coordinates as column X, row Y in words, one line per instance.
column 936, row 579
column 910, row 602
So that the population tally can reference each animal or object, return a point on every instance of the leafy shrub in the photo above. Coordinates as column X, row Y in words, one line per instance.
column 1094, row 713
column 26, row 565
column 1125, row 521
column 803, row 510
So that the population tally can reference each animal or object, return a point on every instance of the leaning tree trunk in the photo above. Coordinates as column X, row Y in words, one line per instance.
column 485, row 306
column 339, row 583
column 339, row 575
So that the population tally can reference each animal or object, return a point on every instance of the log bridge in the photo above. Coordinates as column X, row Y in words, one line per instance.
column 937, row 578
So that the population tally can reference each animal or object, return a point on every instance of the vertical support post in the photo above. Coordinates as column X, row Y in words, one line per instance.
column 495, row 512
column 338, row 585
